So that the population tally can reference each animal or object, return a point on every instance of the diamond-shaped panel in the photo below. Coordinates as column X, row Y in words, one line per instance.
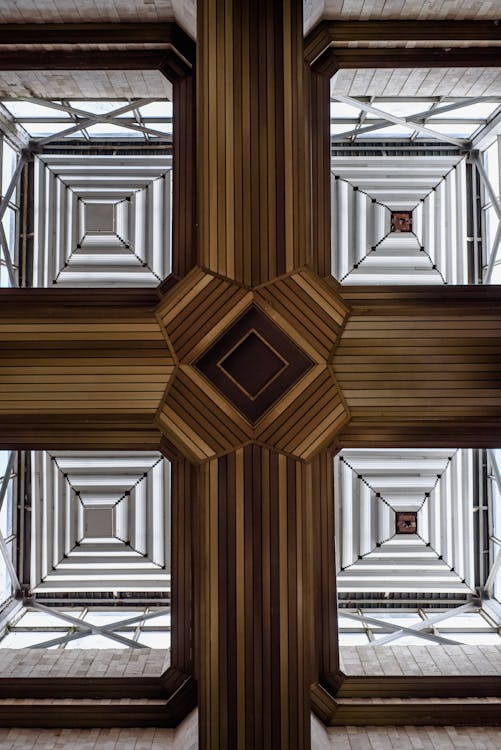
column 253, row 363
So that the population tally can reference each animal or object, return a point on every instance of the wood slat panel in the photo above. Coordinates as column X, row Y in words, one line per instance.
column 81, row 358
column 198, row 310
column 184, row 255
column 251, row 135
column 197, row 419
column 306, row 310
column 184, row 489
column 418, row 363
column 303, row 427
column 94, row 432
column 256, row 620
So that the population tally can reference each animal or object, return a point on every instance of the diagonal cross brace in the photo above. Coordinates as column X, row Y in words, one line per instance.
column 399, row 628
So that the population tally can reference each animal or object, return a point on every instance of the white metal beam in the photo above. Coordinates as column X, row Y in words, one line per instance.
column 460, row 143
column 12, row 185
column 91, row 119
column 405, row 631
column 423, row 115
column 430, row 621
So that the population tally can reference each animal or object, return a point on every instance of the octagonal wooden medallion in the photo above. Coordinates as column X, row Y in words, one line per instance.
column 252, row 365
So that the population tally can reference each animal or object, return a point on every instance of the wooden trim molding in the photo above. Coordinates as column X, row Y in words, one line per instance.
column 328, row 32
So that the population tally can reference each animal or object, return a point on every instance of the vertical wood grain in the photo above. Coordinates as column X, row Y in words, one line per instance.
column 257, row 584
column 252, row 191
column 184, row 253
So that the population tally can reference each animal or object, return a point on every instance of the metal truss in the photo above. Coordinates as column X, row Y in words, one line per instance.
column 80, row 629
column 394, row 120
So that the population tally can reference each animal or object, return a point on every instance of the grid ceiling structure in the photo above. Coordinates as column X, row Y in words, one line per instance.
column 101, row 522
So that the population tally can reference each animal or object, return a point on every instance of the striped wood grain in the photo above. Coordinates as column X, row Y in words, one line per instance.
column 257, row 575
column 75, row 353
column 184, row 253
column 307, row 418
column 198, row 420
column 198, row 310
column 421, row 366
column 311, row 313
column 252, row 196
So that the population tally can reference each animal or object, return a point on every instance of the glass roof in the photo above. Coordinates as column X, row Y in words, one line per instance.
column 149, row 120
column 457, row 117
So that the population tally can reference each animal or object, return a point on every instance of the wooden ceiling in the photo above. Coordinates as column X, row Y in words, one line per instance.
column 254, row 521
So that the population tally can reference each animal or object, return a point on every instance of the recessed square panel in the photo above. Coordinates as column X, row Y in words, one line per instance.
column 100, row 217
column 254, row 363
column 98, row 522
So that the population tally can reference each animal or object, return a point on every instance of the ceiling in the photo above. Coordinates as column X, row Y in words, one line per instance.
column 183, row 11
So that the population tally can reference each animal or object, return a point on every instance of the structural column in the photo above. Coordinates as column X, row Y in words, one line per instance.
column 256, row 586
column 251, row 122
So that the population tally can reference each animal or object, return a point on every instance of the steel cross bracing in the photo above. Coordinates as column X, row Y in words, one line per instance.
column 406, row 122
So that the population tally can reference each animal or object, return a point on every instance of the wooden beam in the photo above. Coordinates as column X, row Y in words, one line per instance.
column 81, row 687
column 328, row 32
column 80, row 368
column 415, row 57
column 184, row 247
column 151, row 59
column 419, row 366
column 83, row 714
column 438, row 711
column 451, row 686
column 319, row 90
column 167, row 33
column 256, row 585
column 252, row 200
column 184, row 491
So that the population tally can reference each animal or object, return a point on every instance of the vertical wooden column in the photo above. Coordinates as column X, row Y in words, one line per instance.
column 326, row 625
column 319, row 92
column 252, row 187
column 184, row 251
column 256, row 591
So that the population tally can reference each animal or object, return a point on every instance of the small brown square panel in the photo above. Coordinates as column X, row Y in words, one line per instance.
column 401, row 221
column 406, row 523
column 253, row 363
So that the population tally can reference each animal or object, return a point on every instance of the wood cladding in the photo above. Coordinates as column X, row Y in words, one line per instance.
column 312, row 313
column 256, row 583
column 184, row 163
column 251, row 138
column 307, row 417
column 198, row 310
column 184, row 490
column 80, row 357
column 421, row 367
column 198, row 419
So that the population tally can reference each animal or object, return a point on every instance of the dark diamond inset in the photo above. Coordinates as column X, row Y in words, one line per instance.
column 253, row 363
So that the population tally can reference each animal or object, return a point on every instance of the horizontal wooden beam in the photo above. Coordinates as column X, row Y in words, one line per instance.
column 82, row 687
column 86, row 714
column 415, row 57
column 418, row 712
column 83, row 60
column 168, row 33
column 434, row 686
column 328, row 32
column 91, row 432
